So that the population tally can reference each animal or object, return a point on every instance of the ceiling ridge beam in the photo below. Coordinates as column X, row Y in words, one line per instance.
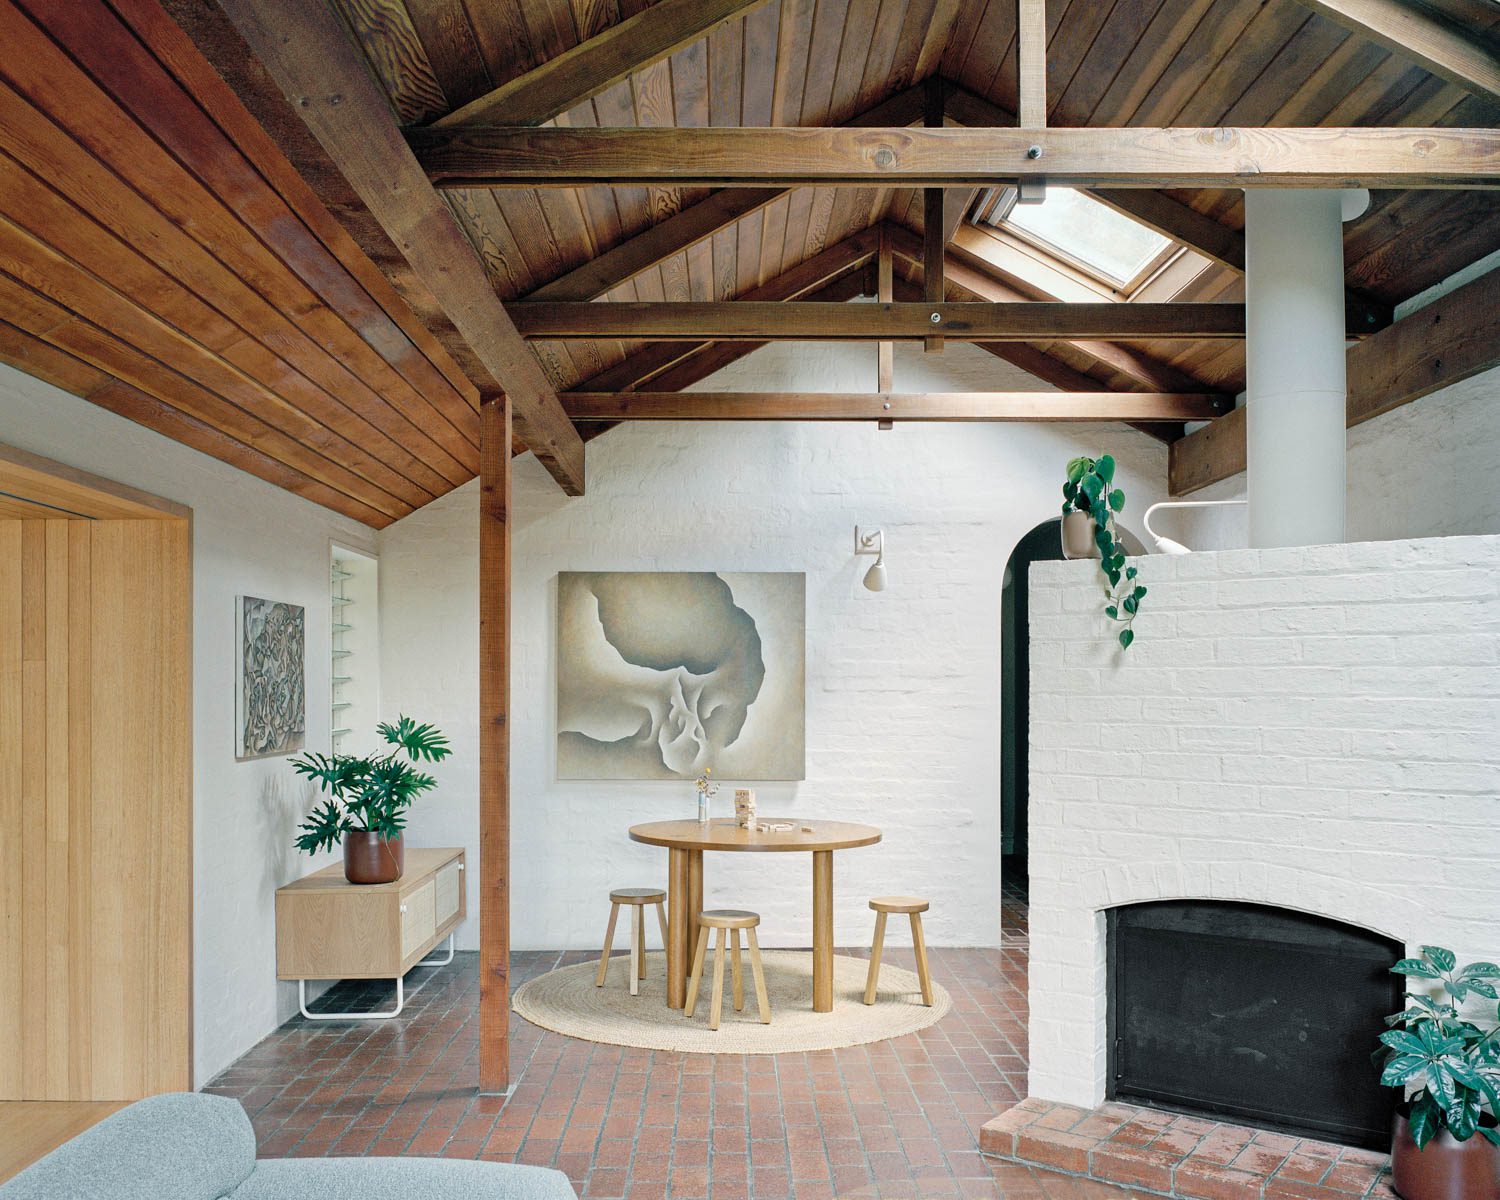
column 585, row 70
column 1470, row 59
column 1440, row 344
column 308, row 52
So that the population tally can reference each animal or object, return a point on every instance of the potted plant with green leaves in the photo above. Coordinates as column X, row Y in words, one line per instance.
column 1090, row 502
column 1446, row 1145
column 366, row 799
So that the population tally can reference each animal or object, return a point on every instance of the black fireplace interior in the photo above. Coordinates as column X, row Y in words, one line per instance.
column 1251, row 1013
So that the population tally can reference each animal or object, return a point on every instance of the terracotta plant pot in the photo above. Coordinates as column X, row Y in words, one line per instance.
column 1445, row 1169
column 1078, row 536
column 370, row 858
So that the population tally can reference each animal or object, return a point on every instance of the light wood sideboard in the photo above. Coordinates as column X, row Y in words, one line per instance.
column 328, row 928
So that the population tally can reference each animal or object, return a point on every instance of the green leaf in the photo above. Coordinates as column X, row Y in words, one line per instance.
column 1111, row 612
column 1106, row 468
column 1092, row 486
column 1130, row 572
column 1480, row 970
column 1424, row 1120
column 1402, row 1070
column 1443, row 960
column 1126, row 637
column 1140, row 591
column 1117, row 499
column 1077, row 468
column 1415, row 966
column 1130, row 605
column 1070, row 489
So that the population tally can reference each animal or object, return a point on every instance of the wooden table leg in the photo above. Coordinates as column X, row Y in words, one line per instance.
column 678, row 903
column 822, row 930
column 695, row 899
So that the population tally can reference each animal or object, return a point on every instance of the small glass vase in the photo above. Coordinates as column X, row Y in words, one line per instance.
column 703, row 808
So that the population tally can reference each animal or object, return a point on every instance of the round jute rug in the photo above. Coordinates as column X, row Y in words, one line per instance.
column 566, row 1001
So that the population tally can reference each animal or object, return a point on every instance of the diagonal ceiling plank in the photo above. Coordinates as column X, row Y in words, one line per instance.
column 1443, row 343
column 588, row 68
column 698, row 222
column 1468, row 58
column 307, row 51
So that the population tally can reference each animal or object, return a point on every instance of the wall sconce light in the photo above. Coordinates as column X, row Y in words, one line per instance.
column 1166, row 545
column 872, row 543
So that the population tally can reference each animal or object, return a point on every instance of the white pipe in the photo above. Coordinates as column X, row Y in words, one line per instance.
column 1165, row 544
column 1294, row 365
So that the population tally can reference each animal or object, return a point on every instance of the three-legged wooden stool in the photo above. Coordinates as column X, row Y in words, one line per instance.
column 637, row 899
column 915, row 907
column 731, row 920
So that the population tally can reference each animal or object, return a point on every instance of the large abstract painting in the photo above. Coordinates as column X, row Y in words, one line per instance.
column 661, row 674
column 270, row 693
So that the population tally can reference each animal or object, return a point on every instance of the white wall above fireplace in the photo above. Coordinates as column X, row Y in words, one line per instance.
column 1316, row 727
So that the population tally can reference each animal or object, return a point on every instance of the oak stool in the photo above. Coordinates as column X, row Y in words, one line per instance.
column 730, row 920
column 637, row 899
column 914, row 906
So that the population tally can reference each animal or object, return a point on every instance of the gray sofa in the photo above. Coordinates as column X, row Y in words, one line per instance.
column 189, row 1146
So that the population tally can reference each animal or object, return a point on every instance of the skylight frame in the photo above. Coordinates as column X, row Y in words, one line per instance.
column 992, row 215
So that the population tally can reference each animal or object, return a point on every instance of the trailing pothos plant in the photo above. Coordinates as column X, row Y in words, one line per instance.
column 1090, row 489
column 1448, row 1066
column 369, row 793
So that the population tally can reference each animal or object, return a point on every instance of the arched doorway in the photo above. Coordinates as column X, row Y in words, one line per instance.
column 1041, row 544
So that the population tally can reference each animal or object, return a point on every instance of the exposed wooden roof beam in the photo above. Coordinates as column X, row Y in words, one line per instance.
column 494, row 156
column 888, row 406
column 1445, row 342
column 1147, row 372
column 588, row 68
column 308, row 52
column 1027, row 321
column 803, row 280
column 1468, row 58
column 698, row 222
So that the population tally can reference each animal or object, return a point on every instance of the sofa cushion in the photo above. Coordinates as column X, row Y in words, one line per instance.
column 179, row 1146
column 401, row 1179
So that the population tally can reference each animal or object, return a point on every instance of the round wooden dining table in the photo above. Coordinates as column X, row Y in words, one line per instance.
column 686, row 842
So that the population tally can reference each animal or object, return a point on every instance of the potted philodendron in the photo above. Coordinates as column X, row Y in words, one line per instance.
column 1446, row 1145
column 1090, row 502
column 366, row 798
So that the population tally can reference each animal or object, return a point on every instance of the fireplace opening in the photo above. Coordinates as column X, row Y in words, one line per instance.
column 1253, row 1013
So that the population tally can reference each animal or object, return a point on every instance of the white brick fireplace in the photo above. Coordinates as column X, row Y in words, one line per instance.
column 1316, row 728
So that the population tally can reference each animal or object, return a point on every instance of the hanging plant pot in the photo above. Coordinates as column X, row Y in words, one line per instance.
column 1078, row 536
column 1444, row 1169
column 370, row 858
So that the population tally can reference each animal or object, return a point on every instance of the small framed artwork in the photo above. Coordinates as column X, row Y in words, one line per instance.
column 270, row 683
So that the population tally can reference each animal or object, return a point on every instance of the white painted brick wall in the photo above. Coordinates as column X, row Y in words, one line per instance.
column 1316, row 727
column 903, row 687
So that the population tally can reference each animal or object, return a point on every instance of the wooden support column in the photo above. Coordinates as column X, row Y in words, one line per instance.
column 934, row 229
column 885, row 292
column 494, row 745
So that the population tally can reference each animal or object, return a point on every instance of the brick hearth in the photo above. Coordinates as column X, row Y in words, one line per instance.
column 1181, row 1156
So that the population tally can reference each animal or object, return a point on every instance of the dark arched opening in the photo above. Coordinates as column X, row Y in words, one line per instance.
column 1042, row 544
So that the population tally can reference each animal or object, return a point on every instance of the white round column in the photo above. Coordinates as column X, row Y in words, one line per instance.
column 1295, row 432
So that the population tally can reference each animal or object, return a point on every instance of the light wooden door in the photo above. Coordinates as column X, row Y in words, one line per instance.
column 95, row 808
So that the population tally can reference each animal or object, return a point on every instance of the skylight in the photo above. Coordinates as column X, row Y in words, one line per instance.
column 1087, row 233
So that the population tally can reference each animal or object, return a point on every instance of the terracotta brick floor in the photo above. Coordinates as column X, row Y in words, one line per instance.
column 895, row 1119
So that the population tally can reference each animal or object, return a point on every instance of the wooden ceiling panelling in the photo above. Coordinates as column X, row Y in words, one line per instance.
column 160, row 254
column 146, row 233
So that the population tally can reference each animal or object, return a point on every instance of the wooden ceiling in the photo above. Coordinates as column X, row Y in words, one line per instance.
column 160, row 254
